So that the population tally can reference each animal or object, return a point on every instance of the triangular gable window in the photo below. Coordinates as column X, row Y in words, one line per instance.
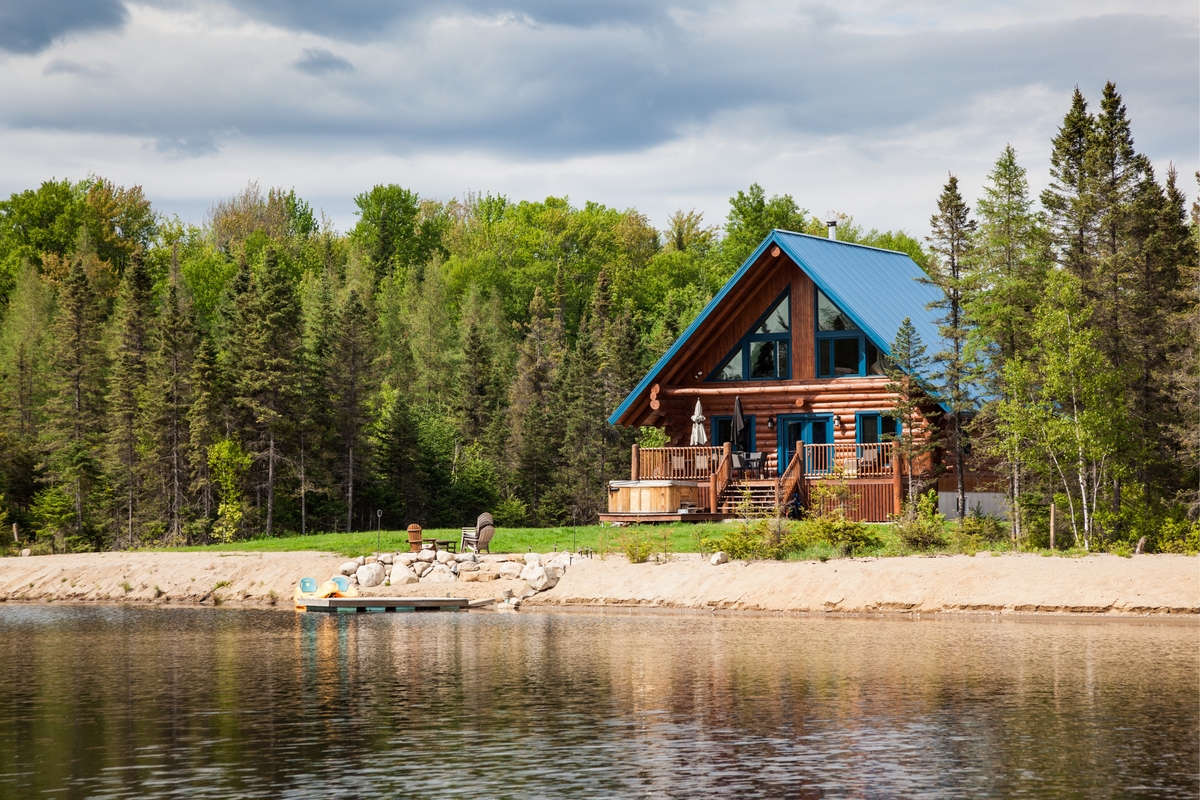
column 765, row 352
column 830, row 317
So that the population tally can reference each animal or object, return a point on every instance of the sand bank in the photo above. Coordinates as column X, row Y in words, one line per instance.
column 1153, row 584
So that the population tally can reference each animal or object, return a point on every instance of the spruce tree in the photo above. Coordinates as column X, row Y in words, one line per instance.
column 1070, row 200
column 351, row 382
column 907, row 371
column 536, row 433
column 75, row 411
column 267, row 385
column 953, row 230
column 1010, row 256
column 205, row 422
column 168, row 406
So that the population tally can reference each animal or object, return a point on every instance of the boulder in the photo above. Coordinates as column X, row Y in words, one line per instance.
column 453, row 565
column 510, row 570
column 26, row 553
column 718, row 558
column 386, row 558
column 444, row 557
column 421, row 567
column 561, row 560
column 360, row 560
column 468, row 577
column 541, row 578
column 370, row 574
column 438, row 573
column 533, row 560
column 372, row 559
column 462, row 558
column 426, row 555
column 406, row 558
column 402, row 575
column 349, row 568
column 467, row 566
column 352, row 580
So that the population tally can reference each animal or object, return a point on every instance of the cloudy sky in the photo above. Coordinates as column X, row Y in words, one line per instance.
column 859, row 106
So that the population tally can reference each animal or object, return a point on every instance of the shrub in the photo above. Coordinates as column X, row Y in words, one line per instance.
column 636, row 544
column 511, row 512
column 984, row 526
column 922, row 527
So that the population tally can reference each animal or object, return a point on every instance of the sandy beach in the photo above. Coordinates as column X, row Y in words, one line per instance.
column 1021, row 583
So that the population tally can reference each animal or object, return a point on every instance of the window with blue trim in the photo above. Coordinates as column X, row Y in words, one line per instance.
column 873, row 427
column 843, row 349
column 764, row 354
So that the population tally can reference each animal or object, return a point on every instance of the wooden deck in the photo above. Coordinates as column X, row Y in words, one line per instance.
column 361, row 605
column 635, row 517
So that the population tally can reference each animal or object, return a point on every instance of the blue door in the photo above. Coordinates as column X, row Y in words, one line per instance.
column 807, row 428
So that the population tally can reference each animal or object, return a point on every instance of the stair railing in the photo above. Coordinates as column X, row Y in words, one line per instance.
column 722, row 476
column 792, row 478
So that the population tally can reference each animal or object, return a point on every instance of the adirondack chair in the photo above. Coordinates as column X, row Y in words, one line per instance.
column 479, row 537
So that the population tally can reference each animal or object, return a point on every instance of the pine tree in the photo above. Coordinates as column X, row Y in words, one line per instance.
column 953, row 230
column 75, row 410
column 127, row 386
column 581, row 397
column 267, row 385
column 398, row 461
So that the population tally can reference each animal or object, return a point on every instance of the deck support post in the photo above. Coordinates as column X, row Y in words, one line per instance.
column 635, row 465
column 897, row 481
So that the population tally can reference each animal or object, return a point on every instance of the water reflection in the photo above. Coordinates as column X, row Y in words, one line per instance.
column 119, row 702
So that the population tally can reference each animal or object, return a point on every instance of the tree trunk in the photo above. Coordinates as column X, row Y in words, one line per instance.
column 270, row 482
column 350, row 489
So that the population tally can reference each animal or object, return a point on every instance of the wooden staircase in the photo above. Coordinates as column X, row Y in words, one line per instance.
column 761, row 496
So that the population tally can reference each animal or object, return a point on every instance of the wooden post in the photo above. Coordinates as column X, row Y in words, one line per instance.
column 16, row 538
column 800, row 484
column 727, row 460
column 1052, row 526
column 897, row 480
column 635, row 465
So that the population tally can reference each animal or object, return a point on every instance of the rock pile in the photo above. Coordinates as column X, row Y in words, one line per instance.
column 430, row 566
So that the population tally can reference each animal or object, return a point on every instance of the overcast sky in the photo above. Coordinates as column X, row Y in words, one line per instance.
column 859, row 107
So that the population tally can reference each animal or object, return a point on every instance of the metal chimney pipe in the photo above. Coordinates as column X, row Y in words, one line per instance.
column 832, row 224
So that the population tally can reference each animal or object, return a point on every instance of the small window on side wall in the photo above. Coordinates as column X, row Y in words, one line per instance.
column 875, row 427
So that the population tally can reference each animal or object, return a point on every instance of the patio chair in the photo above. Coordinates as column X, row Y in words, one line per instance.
column 479, row 538
column 754, row 463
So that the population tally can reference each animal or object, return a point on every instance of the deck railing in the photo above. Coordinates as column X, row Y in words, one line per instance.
column 855, row 460
column 671, row 463
column 820, row 460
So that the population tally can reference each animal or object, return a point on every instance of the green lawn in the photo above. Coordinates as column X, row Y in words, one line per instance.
column 684, row 538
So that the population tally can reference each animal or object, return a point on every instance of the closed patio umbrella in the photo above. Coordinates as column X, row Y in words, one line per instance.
column 741, row 442
column 699, row 437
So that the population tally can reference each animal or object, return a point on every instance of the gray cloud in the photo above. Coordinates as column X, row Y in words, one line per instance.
column 360, row 20
column 188, row 147
column 30, row 26
column 318, row 61
column 62, row 66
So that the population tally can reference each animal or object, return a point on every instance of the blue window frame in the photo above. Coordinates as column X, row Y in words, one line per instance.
column 843, row 349
column 722, row 430
column 873, row 427
column 765, row 353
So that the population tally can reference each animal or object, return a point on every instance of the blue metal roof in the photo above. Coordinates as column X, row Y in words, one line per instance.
column 876, row 288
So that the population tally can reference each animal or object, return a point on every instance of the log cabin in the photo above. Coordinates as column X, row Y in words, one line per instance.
column 797, row 337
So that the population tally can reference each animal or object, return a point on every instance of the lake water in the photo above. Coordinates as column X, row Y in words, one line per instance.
column 116, row 702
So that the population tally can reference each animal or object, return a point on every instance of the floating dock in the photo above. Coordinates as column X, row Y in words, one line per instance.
column 361, row 605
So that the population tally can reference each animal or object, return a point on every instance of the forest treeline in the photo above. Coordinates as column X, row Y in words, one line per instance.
column 262, row 373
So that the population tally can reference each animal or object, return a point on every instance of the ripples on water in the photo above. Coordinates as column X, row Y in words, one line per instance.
column 111, row 702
